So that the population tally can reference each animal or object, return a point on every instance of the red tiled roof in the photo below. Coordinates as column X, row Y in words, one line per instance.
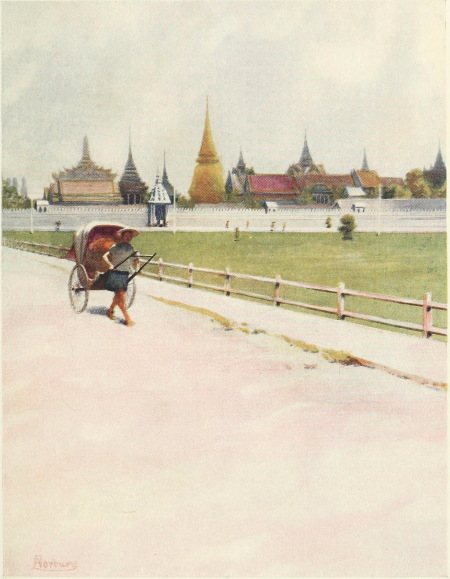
column 368, row 178
column 271, row 183
column 328, row 180
column 391, row 181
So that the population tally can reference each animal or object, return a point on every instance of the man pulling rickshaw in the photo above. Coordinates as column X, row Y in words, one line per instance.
column 105, row 260
column 121, row 258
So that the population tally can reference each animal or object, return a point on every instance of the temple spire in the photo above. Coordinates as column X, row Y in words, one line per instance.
column 306, row 159
column 208, row 151
column 365, row 165
column 207, row 183
column 439, row 163
column 86, row 158
column 164, row 167
column 165, row 181
column 131, row 185
column 241, row 162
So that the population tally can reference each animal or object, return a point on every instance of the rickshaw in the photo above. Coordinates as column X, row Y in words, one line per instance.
column 90, row 243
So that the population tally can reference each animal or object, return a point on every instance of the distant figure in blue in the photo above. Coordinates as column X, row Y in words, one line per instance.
column 119, row 269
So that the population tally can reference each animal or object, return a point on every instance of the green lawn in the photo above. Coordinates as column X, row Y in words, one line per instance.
column 399, row 264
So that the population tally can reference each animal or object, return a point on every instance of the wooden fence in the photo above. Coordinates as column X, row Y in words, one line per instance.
column 43, row 248
column 427, row 305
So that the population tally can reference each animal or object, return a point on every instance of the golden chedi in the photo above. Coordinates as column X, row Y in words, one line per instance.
column 207, row 185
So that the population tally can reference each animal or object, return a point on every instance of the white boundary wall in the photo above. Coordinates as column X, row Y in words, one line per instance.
column 226, row 218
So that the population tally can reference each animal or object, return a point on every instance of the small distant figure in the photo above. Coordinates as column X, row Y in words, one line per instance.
column 236, row 234
column 284, row 226
column 57, row 225
column 328, row 223
column 247, row 224
column 272, row 226
column 227, row 224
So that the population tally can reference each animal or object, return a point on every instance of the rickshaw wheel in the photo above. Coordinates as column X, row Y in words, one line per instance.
column 130, row 294
column 78, row 288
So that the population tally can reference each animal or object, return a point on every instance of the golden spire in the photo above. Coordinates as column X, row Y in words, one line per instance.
column 207, row 183
column 208, row 151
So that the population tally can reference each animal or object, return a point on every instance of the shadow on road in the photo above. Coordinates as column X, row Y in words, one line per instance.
column 97, row 310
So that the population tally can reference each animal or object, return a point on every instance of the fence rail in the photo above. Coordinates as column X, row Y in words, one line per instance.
column 426, row 304
column 43, row 248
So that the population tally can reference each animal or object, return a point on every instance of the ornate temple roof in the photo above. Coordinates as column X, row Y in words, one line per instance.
column 130, row 174
column 86, row 169
column 208, row 152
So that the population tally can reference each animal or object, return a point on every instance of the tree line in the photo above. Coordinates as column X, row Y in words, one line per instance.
column 11, row 199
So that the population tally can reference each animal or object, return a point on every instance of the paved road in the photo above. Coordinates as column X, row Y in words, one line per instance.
column 178, row 448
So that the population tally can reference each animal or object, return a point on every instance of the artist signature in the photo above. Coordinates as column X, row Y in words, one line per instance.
column 41, row 564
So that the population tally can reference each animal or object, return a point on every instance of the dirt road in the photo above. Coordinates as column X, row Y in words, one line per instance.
column 177, row 448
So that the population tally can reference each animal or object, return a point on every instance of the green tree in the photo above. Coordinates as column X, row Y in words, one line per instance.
column 417, row 184
column 337, row 193
column 185, row 202
column 11, row 199
column 348, row 226
column 328, row 223
column 396, row 192
column 372, row 192
column 253, row 203
column 440, row 191
column 305, row 197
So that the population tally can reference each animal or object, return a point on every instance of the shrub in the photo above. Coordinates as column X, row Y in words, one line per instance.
column 328, row 223
column 348, row 225
column 185, row 202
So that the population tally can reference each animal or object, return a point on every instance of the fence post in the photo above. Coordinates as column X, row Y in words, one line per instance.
column 276, row 295
column 341, row 301
column 190, row 274
column 227, row 281
column 427, row 315
column 160, row 269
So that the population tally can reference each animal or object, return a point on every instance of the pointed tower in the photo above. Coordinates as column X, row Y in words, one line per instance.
column 306, row 159
column 365, row 165
column 131, row 186
column 207, row 182
column 166, row 183
column 439, row 163
column 241, row 163
column 86, row 157
column 437, row 175
column 23, row 189
column 229, row 185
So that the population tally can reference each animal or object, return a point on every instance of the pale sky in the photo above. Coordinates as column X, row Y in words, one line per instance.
column 354, row 74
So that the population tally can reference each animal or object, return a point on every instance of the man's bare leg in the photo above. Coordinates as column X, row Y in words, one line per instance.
column 121, row 303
